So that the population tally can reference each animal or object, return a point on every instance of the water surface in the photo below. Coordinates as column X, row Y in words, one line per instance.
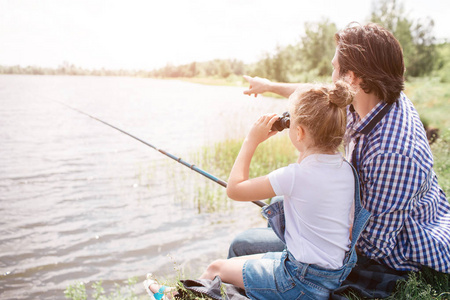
column 80, row 201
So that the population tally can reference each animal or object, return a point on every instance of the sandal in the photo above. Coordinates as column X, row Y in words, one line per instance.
column 154, row 296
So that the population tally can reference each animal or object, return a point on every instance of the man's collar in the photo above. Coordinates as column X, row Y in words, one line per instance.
column 366, row 125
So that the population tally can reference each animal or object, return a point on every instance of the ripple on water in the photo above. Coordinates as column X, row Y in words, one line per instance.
column 82, row 202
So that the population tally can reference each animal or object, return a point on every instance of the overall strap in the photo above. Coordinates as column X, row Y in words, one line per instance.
column 361, row 216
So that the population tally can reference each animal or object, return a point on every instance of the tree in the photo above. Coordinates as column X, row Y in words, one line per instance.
column 224, row 68
column 318, row 47
column 416, row 37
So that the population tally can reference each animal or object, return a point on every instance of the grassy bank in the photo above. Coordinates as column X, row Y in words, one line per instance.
column 232, row 80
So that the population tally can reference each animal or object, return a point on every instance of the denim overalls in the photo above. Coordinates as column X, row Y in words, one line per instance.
column 291, row 279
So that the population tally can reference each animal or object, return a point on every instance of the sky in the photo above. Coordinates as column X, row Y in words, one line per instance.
column 148, row 34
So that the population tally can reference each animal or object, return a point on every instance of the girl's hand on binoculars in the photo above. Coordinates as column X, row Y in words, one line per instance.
column 261, row 129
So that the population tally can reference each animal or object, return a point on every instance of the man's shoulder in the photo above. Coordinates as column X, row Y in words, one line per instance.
column 401, row 126
column 401, row 134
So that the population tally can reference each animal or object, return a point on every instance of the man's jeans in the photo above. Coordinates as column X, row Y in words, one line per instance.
column 256, row 240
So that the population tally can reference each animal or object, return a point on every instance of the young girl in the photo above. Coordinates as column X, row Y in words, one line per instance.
column 314, row 219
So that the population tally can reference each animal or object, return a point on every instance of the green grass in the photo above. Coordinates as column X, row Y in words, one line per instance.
column 441, row 155
column 232, row 80
column 432, row 100
column 427, row 284
column 219, row 158
column 272, row 154
column 77, row 291
column 431, row 97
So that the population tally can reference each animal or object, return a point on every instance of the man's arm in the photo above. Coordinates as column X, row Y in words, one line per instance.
column 261, row 85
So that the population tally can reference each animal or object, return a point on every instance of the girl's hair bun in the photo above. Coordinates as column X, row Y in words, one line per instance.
column 341, row 95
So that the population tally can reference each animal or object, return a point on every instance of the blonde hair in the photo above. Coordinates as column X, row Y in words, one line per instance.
column 322, row 110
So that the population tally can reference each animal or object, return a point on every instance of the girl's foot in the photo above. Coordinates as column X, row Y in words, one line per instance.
column 157, row 291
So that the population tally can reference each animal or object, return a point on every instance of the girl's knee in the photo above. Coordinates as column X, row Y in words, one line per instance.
column 229, row 270
column 215, row 267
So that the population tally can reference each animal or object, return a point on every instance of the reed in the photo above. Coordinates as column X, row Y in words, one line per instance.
column 219, row 158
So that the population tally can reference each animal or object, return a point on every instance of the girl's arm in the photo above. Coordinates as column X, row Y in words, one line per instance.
column 261, row 85
column 239, row 186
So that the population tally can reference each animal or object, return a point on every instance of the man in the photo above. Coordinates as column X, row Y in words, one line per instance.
column 386, row 142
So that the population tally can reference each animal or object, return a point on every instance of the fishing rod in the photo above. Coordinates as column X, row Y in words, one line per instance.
column 178, row 159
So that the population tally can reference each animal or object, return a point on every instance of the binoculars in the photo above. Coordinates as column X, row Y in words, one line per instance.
column 282, row 123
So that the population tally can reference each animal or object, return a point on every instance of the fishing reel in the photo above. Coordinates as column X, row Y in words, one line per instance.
column 282, row 123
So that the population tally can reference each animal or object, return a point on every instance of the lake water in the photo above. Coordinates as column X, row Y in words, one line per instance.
column 80, row 201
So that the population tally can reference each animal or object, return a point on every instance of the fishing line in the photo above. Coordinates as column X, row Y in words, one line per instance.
column 178, row 159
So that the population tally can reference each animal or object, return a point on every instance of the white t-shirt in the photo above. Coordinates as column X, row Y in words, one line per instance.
column 318, row 195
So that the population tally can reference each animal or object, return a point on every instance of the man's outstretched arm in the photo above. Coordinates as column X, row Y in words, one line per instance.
column 259, row 85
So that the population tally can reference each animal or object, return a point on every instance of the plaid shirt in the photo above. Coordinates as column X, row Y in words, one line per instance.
column 410, row 223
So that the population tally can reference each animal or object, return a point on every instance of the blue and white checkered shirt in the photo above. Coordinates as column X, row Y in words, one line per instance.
column 410, row 223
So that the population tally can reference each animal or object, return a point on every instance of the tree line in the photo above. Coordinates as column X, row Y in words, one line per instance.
column 306, row 60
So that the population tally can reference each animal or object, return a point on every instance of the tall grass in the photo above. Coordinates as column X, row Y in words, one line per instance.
column 431, row 97
column 219, row 158
column 441, row 155
column 270, row 155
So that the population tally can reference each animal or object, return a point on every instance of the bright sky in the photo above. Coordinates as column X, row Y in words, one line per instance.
column 147, row 34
